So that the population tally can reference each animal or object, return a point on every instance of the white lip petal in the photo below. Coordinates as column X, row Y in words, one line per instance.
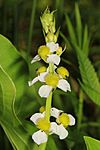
column 44, row 91
column 64, row 85
column 62, row 132
column 34, row 118
column 30, row 83
column 42, row 76
column 53, row 47
column 53, row 128
column 55, row 112
column 53, row 58
column 40, row 137
column 36, row 58
column 72, row 120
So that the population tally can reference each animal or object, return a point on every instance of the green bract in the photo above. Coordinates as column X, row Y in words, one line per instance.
column 48, row 21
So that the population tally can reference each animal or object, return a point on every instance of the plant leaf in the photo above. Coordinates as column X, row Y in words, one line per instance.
column 89, row 77
column 78, row 25
column 14, row 64
column 91, row 143
column 8, row 120
column 71, row 30
column 85, row 46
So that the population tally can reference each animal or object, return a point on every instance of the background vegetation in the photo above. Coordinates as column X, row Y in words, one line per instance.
column 20, row 23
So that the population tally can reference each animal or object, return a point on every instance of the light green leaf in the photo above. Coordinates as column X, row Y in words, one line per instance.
column 8, row 120
column 14, row 64
column 78, row 25
column 91, row 143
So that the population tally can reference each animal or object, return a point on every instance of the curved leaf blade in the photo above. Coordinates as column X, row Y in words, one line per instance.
column 9, row 121
column 91, row 143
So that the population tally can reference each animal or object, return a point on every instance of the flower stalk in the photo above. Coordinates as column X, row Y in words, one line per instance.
column 48, row 107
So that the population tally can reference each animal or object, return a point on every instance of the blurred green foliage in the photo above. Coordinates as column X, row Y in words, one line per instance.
column 80, row 33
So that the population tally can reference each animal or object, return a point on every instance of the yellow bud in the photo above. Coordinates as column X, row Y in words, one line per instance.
column 42, row 109
column 63, row 119
column 63, row 72
column 55, row 39
column 59, row 51
column 41, row 70
column 43, row 124
column 52, row 80
column 43, row 52
column 50, row 37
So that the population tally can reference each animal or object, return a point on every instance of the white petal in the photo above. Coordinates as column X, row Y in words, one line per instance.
column 36, row 58
column 34, row 118
column 64, row 85
column 53, row 58
column 72, row 120
column 62, row 132
column 40, row 137
column 44, row 91
column 53, row 128
column 41, row 77
column 30, row 83
column 53, row 47
column 55, row 112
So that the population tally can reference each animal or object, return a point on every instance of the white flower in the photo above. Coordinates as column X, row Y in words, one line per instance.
column 41, row 135
column 45, row 90
column 63, row 121
column 57, row 114
column 48, row 56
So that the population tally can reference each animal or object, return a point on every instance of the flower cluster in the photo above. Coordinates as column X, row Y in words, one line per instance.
column 51, row 77
column 51, row 80
column 63, row 120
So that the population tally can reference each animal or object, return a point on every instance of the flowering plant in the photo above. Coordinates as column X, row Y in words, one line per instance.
column 51, row 77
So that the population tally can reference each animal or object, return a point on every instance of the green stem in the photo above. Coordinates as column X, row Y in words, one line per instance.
column 31, row 27
column 47, row 116
column 51, row 67
column 48, row 106
column 80, row 110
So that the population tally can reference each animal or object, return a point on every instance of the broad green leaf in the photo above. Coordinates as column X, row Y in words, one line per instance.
column 8, row 120
column 78, row 25
column 14, row 64
column 91, row 143
column 71, row 30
